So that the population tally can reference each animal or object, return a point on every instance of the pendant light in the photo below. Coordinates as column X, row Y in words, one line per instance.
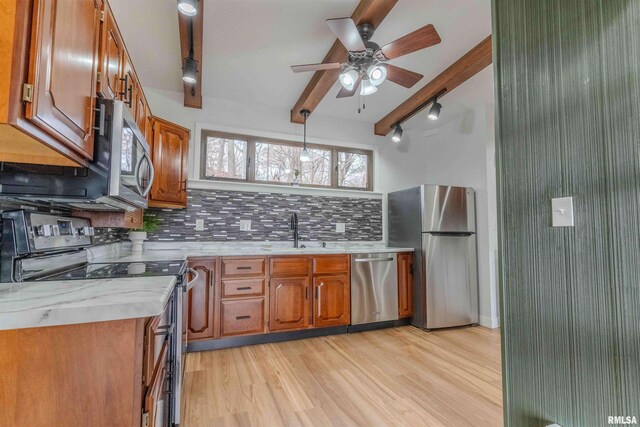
column 397, row 133
column 190, row 70
column 304, row 154
column 188, row 7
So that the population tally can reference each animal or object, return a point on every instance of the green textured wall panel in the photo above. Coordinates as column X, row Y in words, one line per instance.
column 568, row 124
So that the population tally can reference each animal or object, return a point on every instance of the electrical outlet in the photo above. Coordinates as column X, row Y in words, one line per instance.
column 340, row 227
column 245, row 225
column 199, row 224
column 562, row 212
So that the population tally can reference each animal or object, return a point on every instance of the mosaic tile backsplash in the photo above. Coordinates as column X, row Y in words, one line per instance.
column 269, row 214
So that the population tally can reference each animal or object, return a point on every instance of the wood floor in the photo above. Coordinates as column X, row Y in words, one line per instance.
column 401, row 376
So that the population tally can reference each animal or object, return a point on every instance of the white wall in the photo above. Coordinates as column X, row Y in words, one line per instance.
column 460, row 152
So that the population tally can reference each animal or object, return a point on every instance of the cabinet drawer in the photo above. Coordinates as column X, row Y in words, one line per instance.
column 289, row 266
column 243, row 267
column 154, row 338
column 242, row 287
column 241, row 317
column 330, row 264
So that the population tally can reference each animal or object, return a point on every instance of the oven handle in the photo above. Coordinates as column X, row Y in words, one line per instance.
column 152, row 174
column 191, row 282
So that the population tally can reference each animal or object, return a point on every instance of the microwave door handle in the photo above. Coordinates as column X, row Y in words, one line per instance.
column 137, row 175
column 152, row 174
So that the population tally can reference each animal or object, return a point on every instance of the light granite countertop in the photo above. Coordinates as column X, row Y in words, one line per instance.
column 51, row 303
column 66, row 302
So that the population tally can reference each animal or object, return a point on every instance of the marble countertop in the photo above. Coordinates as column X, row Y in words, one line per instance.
column 51, row 303
column 37, row 304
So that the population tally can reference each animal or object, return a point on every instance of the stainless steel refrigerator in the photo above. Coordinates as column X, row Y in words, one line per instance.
column 439, row 223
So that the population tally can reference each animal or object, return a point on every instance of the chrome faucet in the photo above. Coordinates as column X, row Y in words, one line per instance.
column 293, row 225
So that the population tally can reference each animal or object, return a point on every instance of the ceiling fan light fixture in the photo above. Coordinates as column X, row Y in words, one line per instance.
column 434, row 112
column 397, row 134
column 367, row 88
column 348, row 79
column 190, row 70
column 377, row 74
column 188, row 7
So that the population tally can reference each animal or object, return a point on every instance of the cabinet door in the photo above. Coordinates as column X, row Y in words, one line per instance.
column 241, row 317
column 156, row 404
column 405, row 285
column 201, row 300
column 170, row 151
column 141, row 112
column 289, row 303
column 332, row 300
column 111, row 57
column 63, row 69
column 130, row 86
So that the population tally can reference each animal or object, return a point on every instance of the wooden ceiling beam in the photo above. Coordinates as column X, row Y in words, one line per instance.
column 367, row 12
column 192, row 92
column 460, row 71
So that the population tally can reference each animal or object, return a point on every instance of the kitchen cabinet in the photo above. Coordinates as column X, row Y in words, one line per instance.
column 112, row 53
column 405, row 285
column 170, row 149
column 130, row 85
column 332, row 300
column 156, row 405
column 200, row 300
column 289, row 303
column 241, row 316
column 47, row 99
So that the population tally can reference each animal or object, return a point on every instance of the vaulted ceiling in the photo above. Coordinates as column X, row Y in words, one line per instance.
column 249, row 45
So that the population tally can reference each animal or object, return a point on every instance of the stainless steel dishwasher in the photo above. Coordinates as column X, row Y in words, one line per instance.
column 374, row 288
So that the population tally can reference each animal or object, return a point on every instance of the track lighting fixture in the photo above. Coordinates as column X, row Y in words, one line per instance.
column 190, row 70
column 188, row 7
column 397, row 133
column 304, row 154
column 434, row 112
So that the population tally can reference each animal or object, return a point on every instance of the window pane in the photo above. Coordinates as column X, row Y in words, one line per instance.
column 278, row 163
column 226, row 158
column 352, row 170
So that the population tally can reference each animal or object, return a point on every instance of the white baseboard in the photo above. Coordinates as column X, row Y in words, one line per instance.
column 490, row 322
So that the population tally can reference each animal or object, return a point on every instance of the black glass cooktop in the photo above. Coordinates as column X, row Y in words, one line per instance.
column 122, row 269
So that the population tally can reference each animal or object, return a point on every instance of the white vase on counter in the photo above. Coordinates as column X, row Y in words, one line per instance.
column 137, row 239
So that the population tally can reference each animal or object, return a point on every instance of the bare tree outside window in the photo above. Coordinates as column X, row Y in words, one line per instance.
column 352, row 169
column 263, row 160
column 226, row 158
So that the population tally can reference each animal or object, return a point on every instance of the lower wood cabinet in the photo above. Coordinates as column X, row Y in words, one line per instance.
column 241, row 317
column 200, row 300
column 405, row 285
column 289, row 303
column 156, row 404
column 332, row 300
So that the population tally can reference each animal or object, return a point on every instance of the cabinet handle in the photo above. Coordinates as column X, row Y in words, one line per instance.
column 317, row 289
column 242, row 317
column 126, row 85
column 306, row 293
column 130, row 100
column 184, row 185
column 245, row 267
column 244, row 288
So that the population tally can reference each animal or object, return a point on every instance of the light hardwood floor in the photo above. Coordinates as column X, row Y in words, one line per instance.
column 401, row 376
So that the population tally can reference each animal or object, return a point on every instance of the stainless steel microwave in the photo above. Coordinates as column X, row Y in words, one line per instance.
column 118, row 178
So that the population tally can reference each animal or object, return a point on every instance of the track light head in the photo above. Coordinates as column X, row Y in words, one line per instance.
column 188, row 7
column 190, row 71
column 397, row 134
column 434, row 112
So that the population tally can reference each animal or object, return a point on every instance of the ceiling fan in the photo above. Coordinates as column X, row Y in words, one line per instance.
column 367, row 63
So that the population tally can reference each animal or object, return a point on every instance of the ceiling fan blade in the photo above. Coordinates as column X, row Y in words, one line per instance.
column 344, row 93
column 315, row 67
column 347, row 33
column 402, row 76
column 419, row 39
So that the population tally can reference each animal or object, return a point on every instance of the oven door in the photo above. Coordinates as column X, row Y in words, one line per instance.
column 131, row 168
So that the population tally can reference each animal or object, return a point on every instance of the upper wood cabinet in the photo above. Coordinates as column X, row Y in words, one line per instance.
column 405, row 285
column 111, row 57
column 332, row 302
column 200, row 300
column 170, row 150
column 289, row 303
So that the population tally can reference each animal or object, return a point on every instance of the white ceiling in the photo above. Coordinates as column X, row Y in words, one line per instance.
column 250, row 44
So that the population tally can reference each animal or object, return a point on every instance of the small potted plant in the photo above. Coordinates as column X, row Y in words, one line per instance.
column 138, row 236
column 296, row 178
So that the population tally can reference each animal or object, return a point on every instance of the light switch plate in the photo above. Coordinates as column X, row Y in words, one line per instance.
column 245, row 225
column 562, row 212
column 199, row 224
column 340, row 227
